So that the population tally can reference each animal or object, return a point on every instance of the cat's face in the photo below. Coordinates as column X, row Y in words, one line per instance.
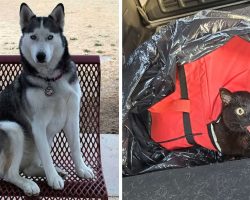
column 236, row 110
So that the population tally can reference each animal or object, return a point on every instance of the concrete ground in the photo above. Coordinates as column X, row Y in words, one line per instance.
column 110, row 163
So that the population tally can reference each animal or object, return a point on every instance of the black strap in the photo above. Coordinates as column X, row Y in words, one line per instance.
column 184, row 95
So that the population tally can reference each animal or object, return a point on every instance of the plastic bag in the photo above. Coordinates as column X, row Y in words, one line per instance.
column 149, row 76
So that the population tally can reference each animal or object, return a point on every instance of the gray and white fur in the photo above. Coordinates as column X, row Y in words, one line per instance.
column 29, row 119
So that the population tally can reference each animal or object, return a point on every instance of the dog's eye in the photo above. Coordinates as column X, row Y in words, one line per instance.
column 33, row 37
column 50, row 37
column 240, row 111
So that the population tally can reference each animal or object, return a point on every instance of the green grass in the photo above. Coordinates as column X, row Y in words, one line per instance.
column 104, row 36
column 100, row 51
column 86, row 51
column 98, row 45
column 73, row 38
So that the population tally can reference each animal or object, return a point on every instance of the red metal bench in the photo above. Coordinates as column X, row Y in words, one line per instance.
column 75, row 188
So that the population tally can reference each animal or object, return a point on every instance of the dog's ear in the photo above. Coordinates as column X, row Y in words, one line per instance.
column 226, row 96
column 58, row 15
column 25, row 15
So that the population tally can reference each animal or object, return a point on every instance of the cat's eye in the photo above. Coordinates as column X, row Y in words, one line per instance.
column 240, row 111
column 33, row 37
column 50, row 37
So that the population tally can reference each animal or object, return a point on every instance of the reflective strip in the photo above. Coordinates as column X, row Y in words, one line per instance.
column 215, row 138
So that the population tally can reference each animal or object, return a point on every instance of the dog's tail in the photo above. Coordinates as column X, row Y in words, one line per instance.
column 11, row 147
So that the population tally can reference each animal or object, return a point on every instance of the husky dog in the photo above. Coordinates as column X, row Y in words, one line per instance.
column 43, row 100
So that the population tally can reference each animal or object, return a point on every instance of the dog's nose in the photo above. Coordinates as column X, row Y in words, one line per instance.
column 41, row 57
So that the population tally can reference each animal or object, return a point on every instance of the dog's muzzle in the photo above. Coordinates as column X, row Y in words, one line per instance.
column 41, row 57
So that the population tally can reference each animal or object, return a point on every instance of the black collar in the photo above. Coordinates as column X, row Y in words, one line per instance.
column 50, row 79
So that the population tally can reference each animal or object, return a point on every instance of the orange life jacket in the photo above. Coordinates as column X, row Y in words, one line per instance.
column 184, row 118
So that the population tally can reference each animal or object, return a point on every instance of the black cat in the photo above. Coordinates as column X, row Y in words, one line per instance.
column 233, row 127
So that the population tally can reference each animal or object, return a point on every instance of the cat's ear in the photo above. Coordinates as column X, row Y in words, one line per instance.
column 225, row 95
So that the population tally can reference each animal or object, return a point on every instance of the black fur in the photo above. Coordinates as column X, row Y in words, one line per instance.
column 12, row 102
column 231, row 130
column 64, row 64
column 48, row 23
column 13, row 99
column 5, row 142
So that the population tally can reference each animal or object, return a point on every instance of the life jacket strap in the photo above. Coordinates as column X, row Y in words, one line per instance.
column 184, row 95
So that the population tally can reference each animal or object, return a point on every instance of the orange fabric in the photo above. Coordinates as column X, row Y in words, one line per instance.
column 178, row 105
column 228, row 66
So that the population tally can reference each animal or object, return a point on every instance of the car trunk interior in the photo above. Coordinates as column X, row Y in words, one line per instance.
column 141, row 18
column 227, row 180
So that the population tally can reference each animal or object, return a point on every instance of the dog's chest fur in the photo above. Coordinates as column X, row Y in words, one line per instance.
column 52, row 111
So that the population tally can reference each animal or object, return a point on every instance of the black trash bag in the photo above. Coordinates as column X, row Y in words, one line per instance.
column 149, row 76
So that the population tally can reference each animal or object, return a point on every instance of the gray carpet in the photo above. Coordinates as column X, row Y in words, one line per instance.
column 222, row 181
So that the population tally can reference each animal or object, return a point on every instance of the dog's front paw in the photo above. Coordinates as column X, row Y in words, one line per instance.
column 85, row 172
column 62, row 172
column 30, row 188
column 56, row 182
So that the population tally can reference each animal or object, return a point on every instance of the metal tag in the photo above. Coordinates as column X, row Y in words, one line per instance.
column 49, row 91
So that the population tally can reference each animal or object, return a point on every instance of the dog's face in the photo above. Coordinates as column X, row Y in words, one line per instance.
column 42, row 43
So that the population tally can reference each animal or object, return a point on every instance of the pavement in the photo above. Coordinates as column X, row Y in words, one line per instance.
column 110, row 163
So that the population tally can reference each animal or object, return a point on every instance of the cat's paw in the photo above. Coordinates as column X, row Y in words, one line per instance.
column 85, row 172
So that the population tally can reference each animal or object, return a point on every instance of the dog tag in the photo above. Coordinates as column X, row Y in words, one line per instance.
column 49, row 91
